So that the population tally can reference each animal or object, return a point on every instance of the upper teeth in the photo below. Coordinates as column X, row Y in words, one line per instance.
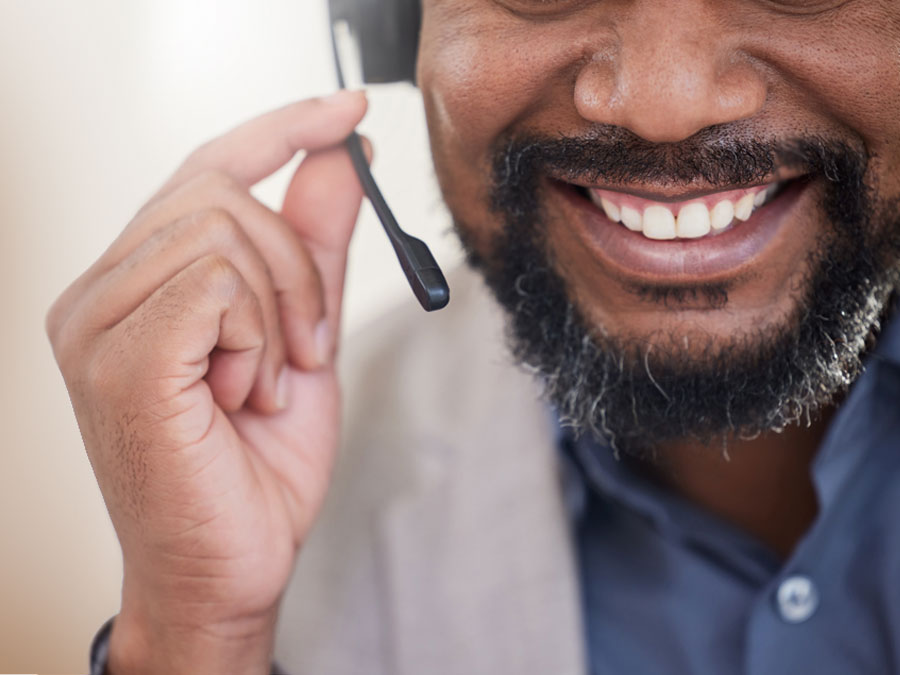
column 690, row 220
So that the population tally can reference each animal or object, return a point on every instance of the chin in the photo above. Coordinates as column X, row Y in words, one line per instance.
column 696, row 319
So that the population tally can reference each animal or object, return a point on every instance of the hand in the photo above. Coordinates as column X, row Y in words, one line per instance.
column 198, row 353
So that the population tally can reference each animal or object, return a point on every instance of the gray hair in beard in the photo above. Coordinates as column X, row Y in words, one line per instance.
column 635, row 397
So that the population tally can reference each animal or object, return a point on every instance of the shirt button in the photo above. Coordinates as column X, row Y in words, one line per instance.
column 797, row 599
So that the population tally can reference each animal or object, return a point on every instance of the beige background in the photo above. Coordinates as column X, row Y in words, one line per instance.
column 100, row 100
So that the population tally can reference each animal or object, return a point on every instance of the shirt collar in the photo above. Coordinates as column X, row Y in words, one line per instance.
column 858, row 420
column 599, row 473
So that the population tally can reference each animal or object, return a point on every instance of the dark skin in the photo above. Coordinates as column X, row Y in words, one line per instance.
column 199, row 349
column 763, row 487
column 779, row 69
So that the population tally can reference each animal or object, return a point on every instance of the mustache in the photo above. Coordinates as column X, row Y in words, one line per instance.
column 713, row 156
column 717, row 157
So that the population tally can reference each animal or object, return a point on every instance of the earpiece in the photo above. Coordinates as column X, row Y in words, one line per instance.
column 387, row 33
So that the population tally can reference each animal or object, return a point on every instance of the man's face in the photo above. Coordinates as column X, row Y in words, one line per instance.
column 731, row 137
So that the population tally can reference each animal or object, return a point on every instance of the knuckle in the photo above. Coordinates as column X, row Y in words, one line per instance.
column 61, row 310
column 216, row 218
column 220, row 275
column 228, row 235
column 218, row 225
column 68, row 338
column 216, row 182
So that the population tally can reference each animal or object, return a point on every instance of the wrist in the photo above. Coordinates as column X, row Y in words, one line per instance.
column 138, row 645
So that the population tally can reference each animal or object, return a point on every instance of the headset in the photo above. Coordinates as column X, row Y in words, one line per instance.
column 387, row 32
column 376, row 41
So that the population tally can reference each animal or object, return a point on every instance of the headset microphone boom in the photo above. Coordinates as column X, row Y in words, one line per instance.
column 376, row 41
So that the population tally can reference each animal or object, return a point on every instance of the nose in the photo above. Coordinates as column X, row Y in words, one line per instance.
column 668, row 75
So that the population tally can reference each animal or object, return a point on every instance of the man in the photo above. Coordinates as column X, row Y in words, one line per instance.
column 689, row 212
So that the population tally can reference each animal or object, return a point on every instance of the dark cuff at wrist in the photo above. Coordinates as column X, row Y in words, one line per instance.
column 100, row 651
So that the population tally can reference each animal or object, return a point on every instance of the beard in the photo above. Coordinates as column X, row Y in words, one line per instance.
column 635, row 394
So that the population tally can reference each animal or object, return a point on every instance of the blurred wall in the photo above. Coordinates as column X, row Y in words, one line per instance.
column 100, row 100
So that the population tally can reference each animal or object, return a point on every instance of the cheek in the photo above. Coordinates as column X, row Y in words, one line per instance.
column 482, row 74
column 848, row 71
column 467, row 101
column 864, row 82
column 457, row 74
column 473, row 75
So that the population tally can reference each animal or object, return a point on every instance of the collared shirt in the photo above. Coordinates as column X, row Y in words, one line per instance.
column 671, row 588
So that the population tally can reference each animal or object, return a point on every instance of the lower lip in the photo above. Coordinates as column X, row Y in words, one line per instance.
column 682, row 260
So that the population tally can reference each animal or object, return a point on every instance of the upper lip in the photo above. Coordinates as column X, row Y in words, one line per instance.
column 679, row 193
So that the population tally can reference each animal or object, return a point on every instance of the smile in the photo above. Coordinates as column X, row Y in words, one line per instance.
column 683, row 237
column 689, row 219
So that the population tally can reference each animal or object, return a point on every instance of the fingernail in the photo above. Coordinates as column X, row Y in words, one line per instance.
column 340, row 96
column 282, row 389
column 323, row 343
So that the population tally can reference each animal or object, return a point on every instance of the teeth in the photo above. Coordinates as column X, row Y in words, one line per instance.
column 659, row 223
column 744, row 207
column 760, row 198
column 610, row 209
column 632, row 219
column 694, row 219
column 722, row 215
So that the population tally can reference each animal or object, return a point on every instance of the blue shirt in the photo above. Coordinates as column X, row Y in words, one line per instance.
column 671, row 588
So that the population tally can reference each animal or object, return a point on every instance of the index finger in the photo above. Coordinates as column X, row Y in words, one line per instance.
column 258, row 148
